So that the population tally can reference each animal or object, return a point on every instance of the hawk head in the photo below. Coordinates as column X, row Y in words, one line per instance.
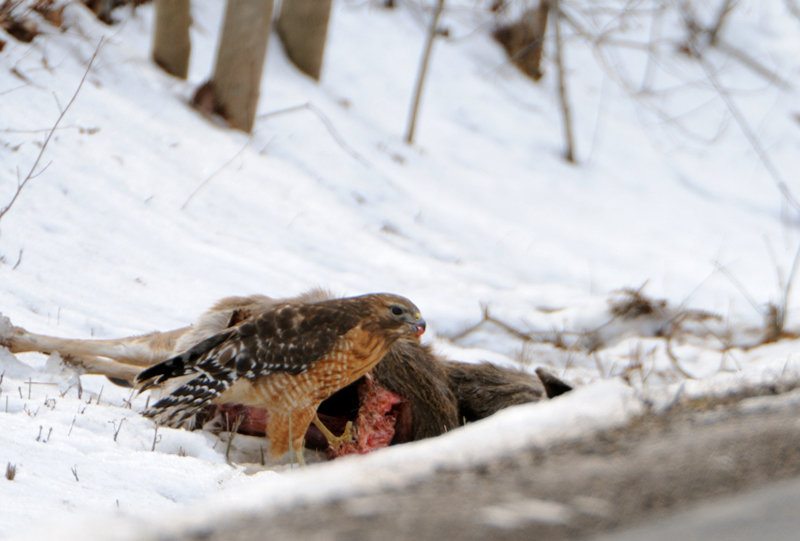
column 397, row 315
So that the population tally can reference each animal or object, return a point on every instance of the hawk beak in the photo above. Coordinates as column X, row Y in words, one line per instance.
column 420, row 326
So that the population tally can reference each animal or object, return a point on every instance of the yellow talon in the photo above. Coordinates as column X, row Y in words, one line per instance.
column 335, row 441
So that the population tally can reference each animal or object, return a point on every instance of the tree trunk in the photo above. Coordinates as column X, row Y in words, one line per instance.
column 303, row 28
column 171, row 43
column 236, row 82
column 423, row 68
column 569, row 144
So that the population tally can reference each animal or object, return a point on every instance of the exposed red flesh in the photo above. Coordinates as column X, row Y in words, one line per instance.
column 374, row 426
column 383, row 418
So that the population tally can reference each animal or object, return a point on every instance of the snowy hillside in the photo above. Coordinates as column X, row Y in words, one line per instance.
column 148, row 212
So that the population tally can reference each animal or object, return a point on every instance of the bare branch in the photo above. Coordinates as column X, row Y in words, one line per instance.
column 713, row 32
column 212, row 175
column 754, row 65
column 81, row 129
column 32, row 174
column 328, row 124
column 308, row 106
column 19, row 260
column 740, row 287
column 751, row 136
column 674, row 360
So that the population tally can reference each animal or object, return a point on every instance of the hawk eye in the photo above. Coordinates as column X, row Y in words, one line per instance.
column 396, row 310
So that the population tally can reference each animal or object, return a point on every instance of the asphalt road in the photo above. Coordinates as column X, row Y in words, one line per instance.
column 658, row 479
column 769, row 513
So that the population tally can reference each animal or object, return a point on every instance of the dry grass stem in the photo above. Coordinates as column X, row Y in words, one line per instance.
column 156, row 438
column 11, row 471
column 232, row 433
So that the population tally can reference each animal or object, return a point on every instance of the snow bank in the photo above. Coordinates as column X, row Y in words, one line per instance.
column 599, row 406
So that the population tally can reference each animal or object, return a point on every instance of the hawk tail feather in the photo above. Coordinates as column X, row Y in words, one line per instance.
column 180, row 365
column 180, row 407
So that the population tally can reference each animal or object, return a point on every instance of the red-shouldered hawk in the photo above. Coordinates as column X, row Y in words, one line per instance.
column 287, row 359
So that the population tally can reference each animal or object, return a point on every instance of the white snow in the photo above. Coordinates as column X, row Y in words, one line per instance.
column 148, row 213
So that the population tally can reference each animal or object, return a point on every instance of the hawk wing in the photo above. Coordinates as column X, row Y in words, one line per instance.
column 287, row 338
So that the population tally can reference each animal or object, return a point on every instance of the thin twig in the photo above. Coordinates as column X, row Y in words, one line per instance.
column 31, row 174
column 674, row 360
column 754, row 65
column 19, row 260
column 328, row 124
column 81, row 129
column 740, row 287
column 215, row 173
column 751, row 136
column 713, row 32
column 655, row 28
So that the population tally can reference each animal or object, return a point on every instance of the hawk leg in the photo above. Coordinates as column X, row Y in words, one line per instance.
column 287, row 430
